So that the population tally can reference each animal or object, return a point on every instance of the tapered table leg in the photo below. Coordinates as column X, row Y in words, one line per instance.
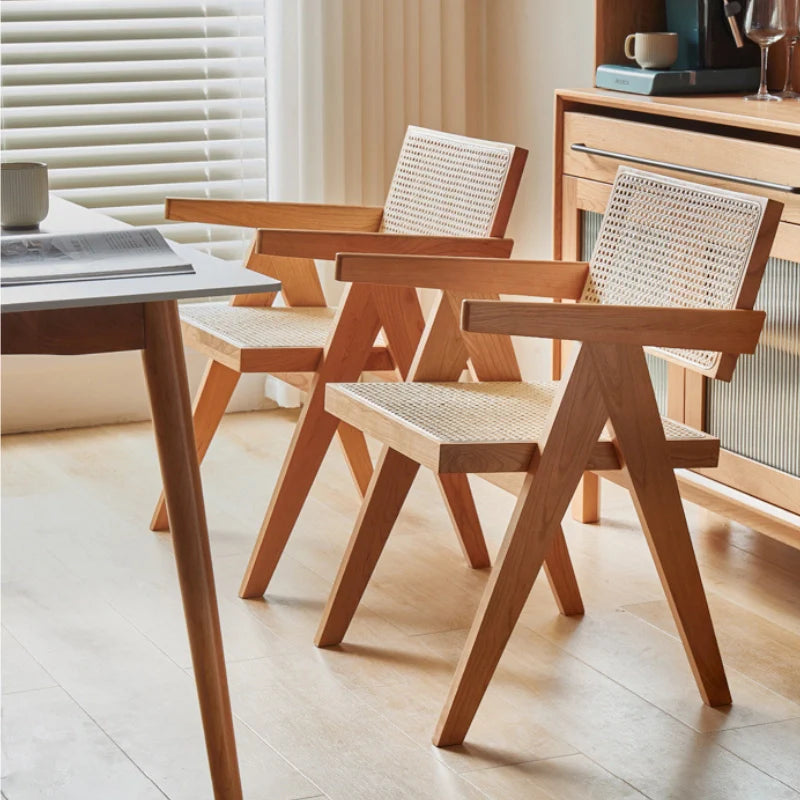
column 165, row 370
column 213, row 396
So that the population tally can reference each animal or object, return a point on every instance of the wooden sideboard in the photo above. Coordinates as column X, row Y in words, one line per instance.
column 725, row 142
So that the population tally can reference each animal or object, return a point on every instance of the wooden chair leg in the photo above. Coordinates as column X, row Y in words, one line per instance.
column 586, row 503
column 542, row 503
column 640, row 435
column 345, row 354
column 352, row 440
column 165, row 370
column 356, row 453
column 460, row 504
column 557, row 566
column 561, row 576
column 394, row 474
column 664, row 524
column 210, row 403
column 510, row 584
column 312, row 437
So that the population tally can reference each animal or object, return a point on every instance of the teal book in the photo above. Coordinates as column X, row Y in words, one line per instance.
column 676, row 81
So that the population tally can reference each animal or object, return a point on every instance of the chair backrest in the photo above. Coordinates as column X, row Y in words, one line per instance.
column 450, row 185
column 667, row 242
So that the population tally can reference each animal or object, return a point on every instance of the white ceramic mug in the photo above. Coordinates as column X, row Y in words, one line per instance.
column 24, row 201
column 652, row 50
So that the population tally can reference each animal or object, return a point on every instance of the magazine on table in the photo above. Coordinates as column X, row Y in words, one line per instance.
column 58, row 257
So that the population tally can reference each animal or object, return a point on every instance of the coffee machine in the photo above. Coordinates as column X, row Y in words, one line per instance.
column 710, row 34
column 714, row 55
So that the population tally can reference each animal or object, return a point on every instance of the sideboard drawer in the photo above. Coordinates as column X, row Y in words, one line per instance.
column 759, row 161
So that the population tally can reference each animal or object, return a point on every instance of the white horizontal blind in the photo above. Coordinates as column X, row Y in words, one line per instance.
column 132, row 101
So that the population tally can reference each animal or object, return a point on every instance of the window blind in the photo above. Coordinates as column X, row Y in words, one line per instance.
column 131, row 101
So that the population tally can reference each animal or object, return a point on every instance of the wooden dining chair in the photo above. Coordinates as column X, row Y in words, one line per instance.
column 449, row 195
column 675, row 268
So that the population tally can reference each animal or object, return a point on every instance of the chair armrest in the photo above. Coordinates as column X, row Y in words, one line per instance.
column 682, row 328
column 558, row 279
column 326, row 244
column 257, row 214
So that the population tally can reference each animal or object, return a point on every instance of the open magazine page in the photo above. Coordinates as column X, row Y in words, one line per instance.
column 50, row 258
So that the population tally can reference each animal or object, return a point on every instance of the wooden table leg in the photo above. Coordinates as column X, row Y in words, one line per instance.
column 210, row 403
column 165, row 370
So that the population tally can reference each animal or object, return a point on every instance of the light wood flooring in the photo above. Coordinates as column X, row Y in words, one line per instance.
column 98, row 699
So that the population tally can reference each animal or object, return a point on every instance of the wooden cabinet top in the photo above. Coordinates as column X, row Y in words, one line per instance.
column 776, row 118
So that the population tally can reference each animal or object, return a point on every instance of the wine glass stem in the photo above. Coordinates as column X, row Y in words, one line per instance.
column 762, row 89
column 790, row 45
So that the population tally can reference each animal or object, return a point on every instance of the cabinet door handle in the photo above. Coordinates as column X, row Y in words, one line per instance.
column 705, row 173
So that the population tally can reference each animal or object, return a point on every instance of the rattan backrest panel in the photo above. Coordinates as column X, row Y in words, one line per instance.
column 446, row 185
column 666, row 242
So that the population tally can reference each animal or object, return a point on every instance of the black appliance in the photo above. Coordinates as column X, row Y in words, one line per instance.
column 707, row 33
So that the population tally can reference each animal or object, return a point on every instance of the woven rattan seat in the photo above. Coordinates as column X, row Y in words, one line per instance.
column 258, row 326
column 300, row 332
column 244, row 326
column 442, row 423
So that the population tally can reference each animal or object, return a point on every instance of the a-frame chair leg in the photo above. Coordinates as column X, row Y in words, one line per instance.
column 356, row 454
column 345, row 354
column 352, row 440
column 394, row 474
column 586, row 503
column 632, row 409
column 402, row 321
column 210, row 403
column 404, row 327
column 460, row 503
column 557, row 565
column 561, row 576
column 578, row 419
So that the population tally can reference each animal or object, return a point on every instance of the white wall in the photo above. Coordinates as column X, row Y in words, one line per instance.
column 534, row 47
column 48, row 392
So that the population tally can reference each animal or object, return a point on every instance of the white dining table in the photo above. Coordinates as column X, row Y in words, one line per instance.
column 111, row 315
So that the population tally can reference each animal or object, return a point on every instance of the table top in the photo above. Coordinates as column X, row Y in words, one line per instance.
column 212, row 276
column 721, row 109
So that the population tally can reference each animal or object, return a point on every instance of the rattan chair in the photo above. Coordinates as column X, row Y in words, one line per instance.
column 674, row 265
column 449, row 195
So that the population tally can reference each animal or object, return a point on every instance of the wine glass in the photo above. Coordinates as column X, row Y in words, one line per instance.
column 792, row 39
column 765, row 24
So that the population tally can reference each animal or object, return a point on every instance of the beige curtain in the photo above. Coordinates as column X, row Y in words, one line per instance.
column 344, row 80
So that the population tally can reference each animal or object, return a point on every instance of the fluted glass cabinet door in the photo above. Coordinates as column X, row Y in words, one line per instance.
column 757, row 414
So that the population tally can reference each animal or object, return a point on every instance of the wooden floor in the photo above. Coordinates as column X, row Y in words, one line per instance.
column 98, row 699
